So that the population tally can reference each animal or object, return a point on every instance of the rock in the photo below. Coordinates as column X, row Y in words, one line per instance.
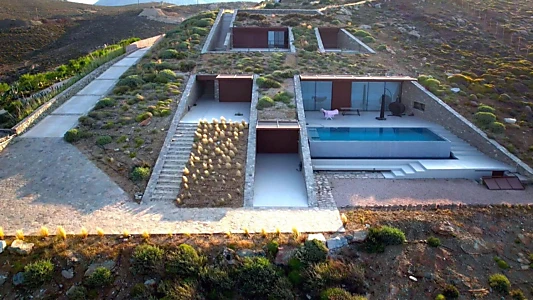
column 524, row 267
column 3, row 278
column 414, row 33
column 138, row 196
column 380, row 25
column 336, row 242
column 455, row 90
column 402, row 30
column 413, row 278
column 528, row 109
column 71, row 257
column 510, row 120
column 108, row 264
column 3, row 246
column 227, row 257
column 365, row 26
column 429, row 276
column 357, row 236
column 284, row 255
column 378, row 5
column 150, row 282
column 474, row 103
column 21, row 247
column 444, row 228
column 137, row 162
column 18, row 279
column 71, row 290
column 523, row 239
column 475, row 230
column 146, row 122
column 461, row 22
column 68, row 274
column 250, row 253
column 316, row 236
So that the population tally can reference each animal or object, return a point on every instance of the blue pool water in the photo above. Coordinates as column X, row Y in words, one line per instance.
column 372, row 134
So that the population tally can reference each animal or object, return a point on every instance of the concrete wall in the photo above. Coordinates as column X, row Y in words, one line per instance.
column 439, row 112
column 213, row 33
column 349, row 42
column 256, row 37
column 251, row 151
column 4, row 141
column 144, row 43
column 329, row 36
column 307, row 167
column 281, row 11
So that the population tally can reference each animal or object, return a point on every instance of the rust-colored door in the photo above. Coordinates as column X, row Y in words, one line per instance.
column 235, row 90
column 341, row 94
column 278, row 140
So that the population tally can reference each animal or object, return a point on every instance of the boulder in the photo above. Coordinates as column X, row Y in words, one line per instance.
column 20, row 247
column 150, row 282
column 108, row 264
column 510, row 120
column 285, row 253
column 68, row 274
column 414, row 33
column 365, row 26
column 444, row 228
column 18, row 279
column 3, row 278
column 336, row 242
column 357, row 236
column 316, row 236
column 250, row 253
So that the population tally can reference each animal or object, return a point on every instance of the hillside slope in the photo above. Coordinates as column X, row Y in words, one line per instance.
column 176, row 2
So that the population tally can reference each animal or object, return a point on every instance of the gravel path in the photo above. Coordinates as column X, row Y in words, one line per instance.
column 380, row 192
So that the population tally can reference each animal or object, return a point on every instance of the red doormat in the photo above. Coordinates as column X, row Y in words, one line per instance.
column 503, row 183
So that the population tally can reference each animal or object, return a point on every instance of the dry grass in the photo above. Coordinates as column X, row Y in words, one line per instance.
column 100, row 231
column 84, row 233
column 145, row 235
column 61, row 233
column 43, row 232
column 1, row 233
column 19, row 235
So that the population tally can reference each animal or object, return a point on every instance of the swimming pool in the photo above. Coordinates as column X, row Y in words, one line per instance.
column 345, row 142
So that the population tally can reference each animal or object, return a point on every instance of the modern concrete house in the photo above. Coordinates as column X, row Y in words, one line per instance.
column 260, row 38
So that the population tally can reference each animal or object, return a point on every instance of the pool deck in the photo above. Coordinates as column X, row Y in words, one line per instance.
column 469, row 162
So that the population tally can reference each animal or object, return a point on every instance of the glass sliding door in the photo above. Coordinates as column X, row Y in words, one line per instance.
column 375, row 91
column 316, row 94
column 276, row 39
column 358, row 98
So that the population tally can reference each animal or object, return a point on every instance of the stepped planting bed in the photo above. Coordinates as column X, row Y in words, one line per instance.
column 125, row 131
column 214, row 175
column 276, row 100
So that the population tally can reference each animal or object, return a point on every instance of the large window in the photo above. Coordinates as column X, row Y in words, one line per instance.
column 316, row 94
column 367, row 95
column 276, row 39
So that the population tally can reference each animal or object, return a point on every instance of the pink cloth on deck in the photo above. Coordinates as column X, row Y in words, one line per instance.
column 329, row 114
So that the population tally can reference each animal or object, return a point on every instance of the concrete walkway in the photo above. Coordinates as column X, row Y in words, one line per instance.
column 66, row 116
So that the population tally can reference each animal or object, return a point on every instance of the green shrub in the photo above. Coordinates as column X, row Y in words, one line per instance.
column 265, row 102
column 204, row 22
column 140, row 292
column 147, row 258
column 103, row 140
column 334, row 273
column 165, row 76
column 501, row 263
column 484, row 119
column 200, row 31
column 368, row 40
column 272, row 248
column 218, row 282
column 379, row 237
column 171, row 53
column 339, row 294
column 100, row 278
column 178, row 290
column 140, row 174
column 284, row 97
column 264, row 82
column 38, row 272
column 450, row 292
column 497, row 127
column 143, row 116
column 257, row 278
column 77, row 293
column 361, row 33
column 106, row 102
column 381, row 47
column 187, row 65
column 500, row 283
column 132, row 82
column 86, row 120
column 312, row 252
column 184, row 261
column 504, row 97
column 440, row 297
column 71, row 136
column 517, row 295
column 486, row 108
column 433, row 241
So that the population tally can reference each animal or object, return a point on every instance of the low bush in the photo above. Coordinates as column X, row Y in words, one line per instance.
column 71, row 136
column 257, row 278
column 361, row 33
column 265, row 102
column 143, row 116
column 334, row 273
column 486, row 108
column 147, row 258
column 184, row 261
column 132, row 82
column 38, row 273
column 218, row 282
column 312, row 252
column 77, row 293
column 497, row 127
column 433, row 241
column 272, row 248
column 140, row 174
column 140, row 292
column 204, row 22
column 171, row 53
column 165, row 76
column 106, row 102
column 178, row 290
column 187, row 65
column 379, row 237
column 103, row 140
column 100, row 278
column 484, row 119
column 450, row 292
column 501, row 263
column 440, row 297
column 339, row 294
column 284, row 97
column 264, row 82
column 200, row 31
column 517, row 295
column 500, row 283
column 368, row 40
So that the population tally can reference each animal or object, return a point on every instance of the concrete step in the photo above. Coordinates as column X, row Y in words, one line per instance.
column 167, row 186
column 417, row 167
column 398, row 173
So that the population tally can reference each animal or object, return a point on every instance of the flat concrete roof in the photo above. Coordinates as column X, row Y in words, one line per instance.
column 356, row 78
column 278, row 125
column 235, row 76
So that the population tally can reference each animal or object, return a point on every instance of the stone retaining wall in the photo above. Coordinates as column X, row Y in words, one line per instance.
column 64, row 95
column 251, row 150
column 187, row 99
column 4, row 141
column 307, row 167
column 281, row 11
column 435, row 110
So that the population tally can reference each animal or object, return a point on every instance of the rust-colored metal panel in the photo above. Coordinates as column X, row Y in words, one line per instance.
column 235, row 90
column 203, row 77
column 341, row 94
column 330, row 37
column 255, row 37
column 279, row 140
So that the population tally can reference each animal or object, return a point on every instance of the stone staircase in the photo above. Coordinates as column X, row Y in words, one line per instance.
column 178, row 153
